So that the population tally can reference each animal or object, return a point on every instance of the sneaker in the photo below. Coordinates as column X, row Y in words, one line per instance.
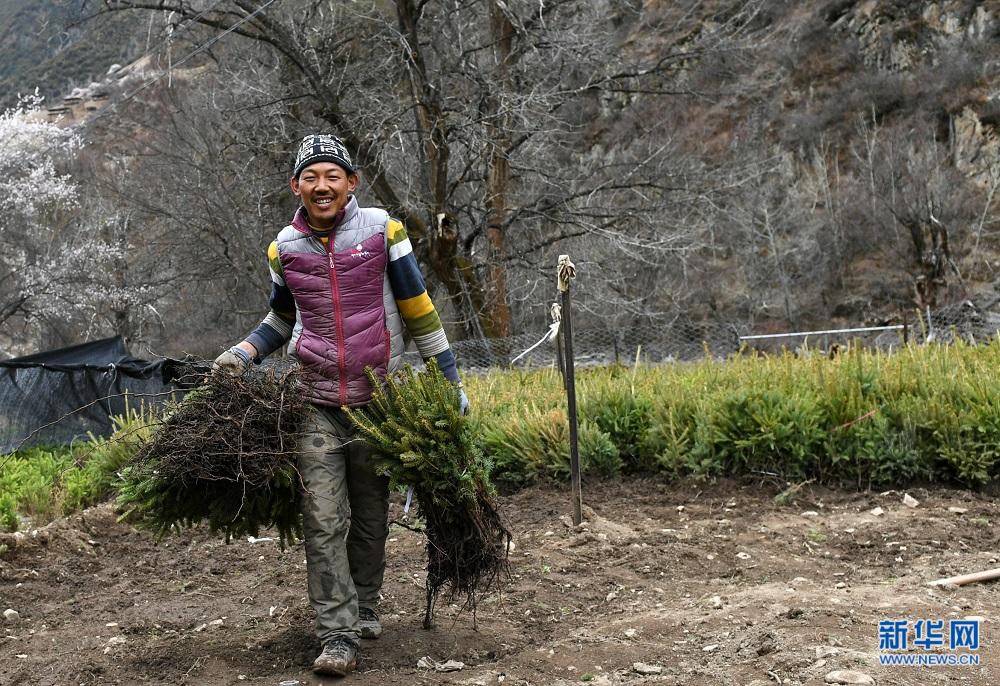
column 339, row 658
column 368, row 624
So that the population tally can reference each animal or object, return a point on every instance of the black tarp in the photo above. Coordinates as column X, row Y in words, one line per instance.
column 59, row 396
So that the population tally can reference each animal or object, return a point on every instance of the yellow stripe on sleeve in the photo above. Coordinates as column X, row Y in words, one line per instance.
column 418, row 306
column 393, row 228
column 274, row 263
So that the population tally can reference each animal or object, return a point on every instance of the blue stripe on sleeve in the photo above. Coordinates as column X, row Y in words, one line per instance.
column 282, row 302
column 405, row 278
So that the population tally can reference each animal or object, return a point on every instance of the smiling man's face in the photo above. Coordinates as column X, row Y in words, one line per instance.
column 324, row 189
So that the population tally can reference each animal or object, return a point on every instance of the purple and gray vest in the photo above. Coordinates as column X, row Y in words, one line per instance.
column 346, row 316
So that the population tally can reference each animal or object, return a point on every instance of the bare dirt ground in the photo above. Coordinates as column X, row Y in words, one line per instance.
column 713, row 584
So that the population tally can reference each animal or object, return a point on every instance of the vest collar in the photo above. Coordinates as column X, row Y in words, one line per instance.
column 301, row 221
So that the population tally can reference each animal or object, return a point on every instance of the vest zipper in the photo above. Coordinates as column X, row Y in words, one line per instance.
column 339, row 319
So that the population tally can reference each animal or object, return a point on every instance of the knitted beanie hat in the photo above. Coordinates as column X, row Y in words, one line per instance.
column 321, row 147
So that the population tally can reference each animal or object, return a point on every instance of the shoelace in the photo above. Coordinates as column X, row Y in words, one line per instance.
column 339, row 648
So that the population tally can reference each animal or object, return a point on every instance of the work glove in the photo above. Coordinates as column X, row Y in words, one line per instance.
column 234, row 361
column 463, row 402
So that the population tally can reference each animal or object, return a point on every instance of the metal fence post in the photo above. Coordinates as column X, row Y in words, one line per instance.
column 567, row 272
column 555, row 312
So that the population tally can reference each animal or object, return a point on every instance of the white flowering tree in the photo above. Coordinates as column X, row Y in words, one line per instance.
column 34, row 198
column 64, row 272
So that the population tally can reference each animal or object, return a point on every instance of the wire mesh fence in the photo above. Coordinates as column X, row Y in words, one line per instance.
column 652, row 343
column 678, row 339
column 648, row 342
column 54, row 404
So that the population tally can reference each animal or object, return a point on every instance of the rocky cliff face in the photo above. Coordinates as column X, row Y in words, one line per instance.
column 897, row 36
column 49, row 46
column 872, row 127
column 909, row 39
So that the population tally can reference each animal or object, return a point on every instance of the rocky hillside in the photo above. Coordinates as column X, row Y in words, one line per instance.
column 50, row 46
column 872, row 128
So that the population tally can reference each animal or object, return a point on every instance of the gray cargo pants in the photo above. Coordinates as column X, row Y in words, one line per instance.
column 346, row 512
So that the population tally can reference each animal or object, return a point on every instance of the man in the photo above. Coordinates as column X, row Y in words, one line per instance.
column 345, row 285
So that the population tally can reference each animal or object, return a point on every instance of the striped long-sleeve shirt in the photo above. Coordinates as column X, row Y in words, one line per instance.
column 408, row 289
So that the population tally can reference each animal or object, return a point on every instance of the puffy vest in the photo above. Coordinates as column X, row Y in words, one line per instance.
column 346, row 316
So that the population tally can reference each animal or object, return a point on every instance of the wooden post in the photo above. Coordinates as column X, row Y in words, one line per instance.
column 567, row 272
column 962, row 579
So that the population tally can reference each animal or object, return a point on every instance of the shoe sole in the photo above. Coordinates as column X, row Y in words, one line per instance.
column 369, row 633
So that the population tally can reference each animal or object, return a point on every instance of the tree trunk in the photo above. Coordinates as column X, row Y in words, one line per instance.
column 449, row 266
column 120, row 319
column 498, row 177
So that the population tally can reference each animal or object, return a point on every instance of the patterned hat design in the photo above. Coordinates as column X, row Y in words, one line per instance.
column 321, row 147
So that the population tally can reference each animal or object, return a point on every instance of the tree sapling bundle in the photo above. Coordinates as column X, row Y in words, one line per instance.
column 224, row 455
column 415, row 424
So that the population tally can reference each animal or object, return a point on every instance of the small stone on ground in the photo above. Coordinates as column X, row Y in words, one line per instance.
column 847, row 676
